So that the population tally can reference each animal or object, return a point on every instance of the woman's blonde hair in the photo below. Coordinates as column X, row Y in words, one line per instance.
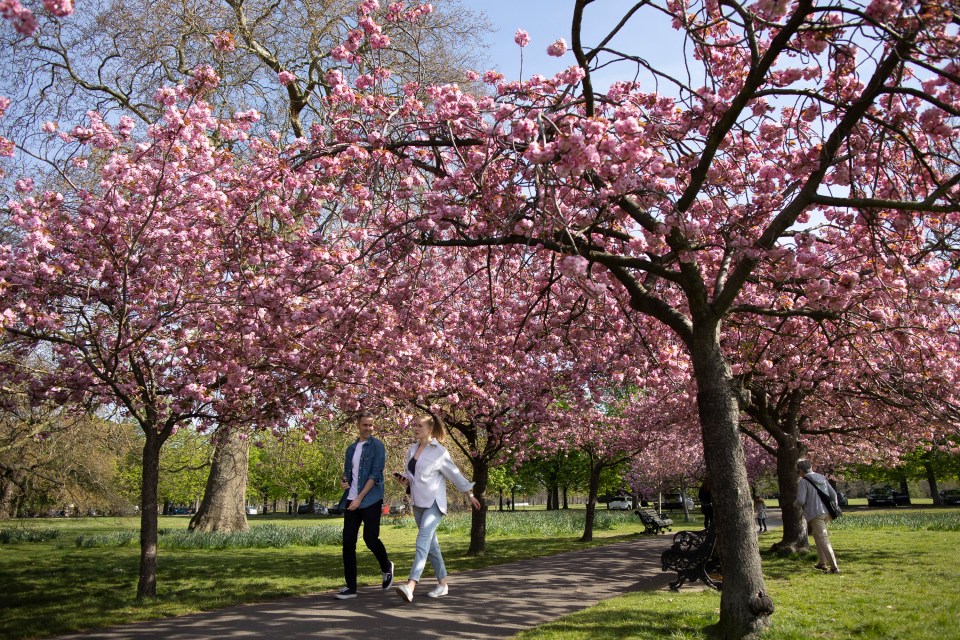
column 436, row 426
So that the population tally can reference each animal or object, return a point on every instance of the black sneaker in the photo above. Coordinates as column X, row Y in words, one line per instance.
column 346, row 593
column 388, row 578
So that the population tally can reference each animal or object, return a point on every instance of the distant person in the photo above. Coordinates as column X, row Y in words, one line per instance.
column 362, row 482
column 706, row 503
column 815, row 512
column 429, row 466
column 760, row 511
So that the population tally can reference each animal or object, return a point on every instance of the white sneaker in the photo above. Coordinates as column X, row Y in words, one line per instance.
column 439, row 590
column 404, row 592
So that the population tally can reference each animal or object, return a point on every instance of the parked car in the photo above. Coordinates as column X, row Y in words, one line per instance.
column 252, row 511
column 950, row 496
column 621, row 503
column 672, row 502
column 316, row 507
column 881, row 496
column 398, row 509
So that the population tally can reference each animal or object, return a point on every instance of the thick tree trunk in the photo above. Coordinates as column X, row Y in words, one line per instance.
column 744, row 606
column 478, row 519
column 222, row 508
column 147, row 585
column 593, row 492
column 795, row 536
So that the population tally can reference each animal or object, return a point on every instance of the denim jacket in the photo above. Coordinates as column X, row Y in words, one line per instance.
column 373, row 457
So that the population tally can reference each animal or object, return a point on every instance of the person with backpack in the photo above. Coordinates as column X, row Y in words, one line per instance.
column 809, row 489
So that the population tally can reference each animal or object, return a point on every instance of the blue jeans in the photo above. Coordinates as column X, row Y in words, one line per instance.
column 427, row 544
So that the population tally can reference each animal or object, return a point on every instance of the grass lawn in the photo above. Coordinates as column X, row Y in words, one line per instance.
column 900, row 574
column 54, row 587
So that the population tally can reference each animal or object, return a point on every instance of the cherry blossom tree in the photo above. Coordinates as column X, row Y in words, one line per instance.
column 167, row 290
column 272, row 57
column 858, row 382
column 679, row 202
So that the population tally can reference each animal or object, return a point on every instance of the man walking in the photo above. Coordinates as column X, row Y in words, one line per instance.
column 815, row 512
column 362, row 482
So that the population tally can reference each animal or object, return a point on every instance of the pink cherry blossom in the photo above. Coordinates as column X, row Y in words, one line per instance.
column 22, row 18
column 521, row 37
column 224, row 41
column 558, row 48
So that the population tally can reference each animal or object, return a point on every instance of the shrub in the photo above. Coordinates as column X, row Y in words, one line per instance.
column 115, row 539
column 258, row 537
column 14, row 536
column 906, row 520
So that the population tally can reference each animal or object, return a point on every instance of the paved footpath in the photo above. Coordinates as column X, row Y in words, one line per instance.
column 495, row 602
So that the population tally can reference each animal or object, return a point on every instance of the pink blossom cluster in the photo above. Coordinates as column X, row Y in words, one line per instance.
column 398, row 11
column 224, row 41
column 557, row 48
column 59, row 8
column 884, row 10
column 22, row 18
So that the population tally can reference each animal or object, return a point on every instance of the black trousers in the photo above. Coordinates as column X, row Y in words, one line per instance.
column 369, row 517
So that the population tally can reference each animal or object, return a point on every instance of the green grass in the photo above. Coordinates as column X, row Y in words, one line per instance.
column 901, row 568
column 900, row 574
column 57, row 586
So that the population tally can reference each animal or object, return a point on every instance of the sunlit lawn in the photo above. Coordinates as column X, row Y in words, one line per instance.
column 48, row 588
column 898, row 582
column 900, row 567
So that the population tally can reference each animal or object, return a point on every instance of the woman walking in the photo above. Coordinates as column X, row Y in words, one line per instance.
column 429, row 466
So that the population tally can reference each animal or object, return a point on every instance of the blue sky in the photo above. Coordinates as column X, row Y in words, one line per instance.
column 546, row 20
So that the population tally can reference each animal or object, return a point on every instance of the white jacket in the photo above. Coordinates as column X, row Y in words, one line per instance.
column 434, row 468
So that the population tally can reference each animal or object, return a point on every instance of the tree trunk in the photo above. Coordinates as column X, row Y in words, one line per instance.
column 565, row 504
column 478, row 518
column 594, row 491
column 932, row 481
column 11, row 488
column 147, row 585
column 222, row 508
column 744, row 606
column 904, row 488
column 795, row 536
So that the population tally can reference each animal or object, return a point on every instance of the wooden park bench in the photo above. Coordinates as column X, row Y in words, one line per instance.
column 693, row 556
column 653, row 521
